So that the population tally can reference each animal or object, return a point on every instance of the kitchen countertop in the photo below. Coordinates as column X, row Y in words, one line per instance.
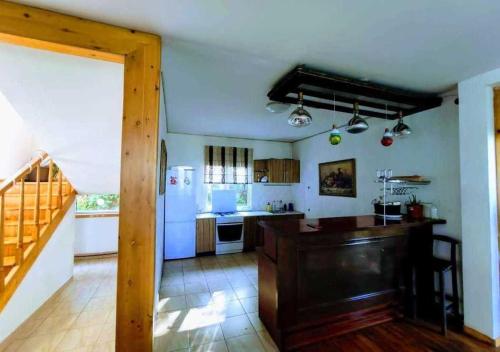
column 248, row 213
column 340, row 225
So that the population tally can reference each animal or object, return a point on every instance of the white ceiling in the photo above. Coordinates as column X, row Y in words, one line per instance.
column 223, row 56
column 73, row 107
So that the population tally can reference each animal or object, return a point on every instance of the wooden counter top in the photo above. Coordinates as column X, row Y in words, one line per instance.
column 340, row 225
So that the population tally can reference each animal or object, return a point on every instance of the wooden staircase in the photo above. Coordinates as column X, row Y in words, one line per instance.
column 30, row 211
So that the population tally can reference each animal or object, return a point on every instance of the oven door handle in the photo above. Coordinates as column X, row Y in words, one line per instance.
column 230, row 224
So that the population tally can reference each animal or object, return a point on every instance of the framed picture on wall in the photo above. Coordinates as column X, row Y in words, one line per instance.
column 163, row 166
column 338, row 178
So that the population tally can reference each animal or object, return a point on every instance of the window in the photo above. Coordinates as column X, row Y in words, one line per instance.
column 86, row 203
column 243, row 195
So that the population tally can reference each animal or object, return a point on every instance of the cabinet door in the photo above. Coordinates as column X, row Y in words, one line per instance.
column 205, row 236
column 295, row 171
column 276, row 170
column 260, row 169
column 250, row 231
column 291, row 171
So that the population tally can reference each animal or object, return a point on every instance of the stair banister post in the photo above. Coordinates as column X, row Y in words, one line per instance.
column 59, row 188
column 49, row 193
column 2, row 239
column 37, row 204
column 20, row 226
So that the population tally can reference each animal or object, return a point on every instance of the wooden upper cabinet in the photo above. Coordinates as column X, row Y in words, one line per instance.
column 277, row 170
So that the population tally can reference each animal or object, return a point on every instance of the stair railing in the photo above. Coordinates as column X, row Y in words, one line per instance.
column 19, row 179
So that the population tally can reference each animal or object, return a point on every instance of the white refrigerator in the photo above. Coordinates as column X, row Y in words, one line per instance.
column 180, row 213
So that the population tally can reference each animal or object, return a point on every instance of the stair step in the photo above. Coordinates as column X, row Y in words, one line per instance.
column 26, row 222
column 9, row 261
column 13, row 240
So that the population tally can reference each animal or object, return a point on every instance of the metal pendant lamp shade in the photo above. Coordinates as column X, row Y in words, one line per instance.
column 357, row 124
column 401, row 129
column 299, row 117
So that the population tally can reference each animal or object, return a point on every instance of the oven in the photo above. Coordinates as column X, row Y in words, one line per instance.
column 228, row 234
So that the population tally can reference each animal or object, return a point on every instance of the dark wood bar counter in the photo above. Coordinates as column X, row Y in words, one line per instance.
column 324, row 277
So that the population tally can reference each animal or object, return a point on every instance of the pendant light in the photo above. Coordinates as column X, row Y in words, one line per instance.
column 401, row 129
column 387, row 139
column 356, row 124
column 335, row 137
column 300, row 117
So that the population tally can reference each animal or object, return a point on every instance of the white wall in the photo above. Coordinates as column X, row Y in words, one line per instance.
column 479, row 204
column 52, row 269
column 184, row 149
column 160, row 203
column 16, row 140
column 432, row 151
column 96, row 235
column 73, row 105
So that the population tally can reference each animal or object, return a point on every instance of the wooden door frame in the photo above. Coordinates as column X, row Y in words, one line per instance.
column 141, row 54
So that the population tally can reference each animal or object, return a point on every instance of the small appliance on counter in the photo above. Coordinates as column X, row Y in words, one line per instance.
column 392, row 210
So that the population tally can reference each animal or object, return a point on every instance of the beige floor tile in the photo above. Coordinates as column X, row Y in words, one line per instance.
column 229, row 309
column 171, row 341
column 241, row 281
column 219, row 346
column 195, row 287
column 108, row 333
column 56, row 323
column 42, row 343
column 198, row 300
column 205, row 335
column 108, row 346
column 256, row 322
column 28, row 328
column 223, row 295
column 90, row 318
column 251, row 305
column 237, row 326
column 172, row 303
column 171, row 291
column 170, row 320
column 219, row 284
column 245, row 292
column 267, row 341
column 247, row 343
column 12, row 346
column 78, row 338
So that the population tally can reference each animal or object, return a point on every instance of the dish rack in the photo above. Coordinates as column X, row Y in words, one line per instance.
column 397, row 186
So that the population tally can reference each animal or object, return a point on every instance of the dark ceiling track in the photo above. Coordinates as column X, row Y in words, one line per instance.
column 319, row 89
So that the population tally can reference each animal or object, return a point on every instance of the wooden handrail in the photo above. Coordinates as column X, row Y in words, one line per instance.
column 22, row 172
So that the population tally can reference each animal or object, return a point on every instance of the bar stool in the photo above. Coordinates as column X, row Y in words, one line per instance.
column 441, row 267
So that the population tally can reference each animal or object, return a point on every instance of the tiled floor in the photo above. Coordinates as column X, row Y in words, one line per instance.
column 81, row 317
column 210, row 304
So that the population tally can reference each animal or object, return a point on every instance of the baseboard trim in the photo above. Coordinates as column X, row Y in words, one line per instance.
column 481, row 337
column 102, row 255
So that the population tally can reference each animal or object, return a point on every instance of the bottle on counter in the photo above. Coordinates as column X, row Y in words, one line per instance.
column 269, row 208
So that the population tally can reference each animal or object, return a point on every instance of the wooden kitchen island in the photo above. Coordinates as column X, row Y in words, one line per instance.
column 324, row 277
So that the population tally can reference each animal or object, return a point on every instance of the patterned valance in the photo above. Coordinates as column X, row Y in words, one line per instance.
column 228, row 165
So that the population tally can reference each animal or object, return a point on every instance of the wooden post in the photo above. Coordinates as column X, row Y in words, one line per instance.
column 37, row 204
column 20, row 226
column 49, row 193
column 2, row 249
column 59, row 188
